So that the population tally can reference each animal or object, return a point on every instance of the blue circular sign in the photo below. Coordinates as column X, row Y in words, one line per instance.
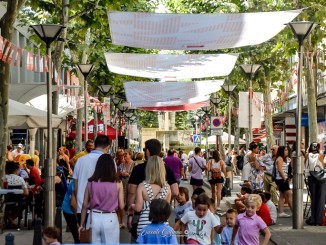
column 217, row 122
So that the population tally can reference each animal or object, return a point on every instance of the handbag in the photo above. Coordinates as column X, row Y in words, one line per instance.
column 86, row 235
column 216, row 174
column 319, row 176
column 202, row 169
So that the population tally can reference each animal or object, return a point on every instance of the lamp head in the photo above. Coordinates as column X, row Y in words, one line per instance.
column 302, row 29
column 228, row 88
column 85, row 69
column 47, row 32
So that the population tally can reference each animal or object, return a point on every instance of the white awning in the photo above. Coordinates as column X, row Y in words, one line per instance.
column 163, row 94
column 196, row 31
column 171, row 66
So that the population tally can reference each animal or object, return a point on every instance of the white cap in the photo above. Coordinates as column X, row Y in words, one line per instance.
column 20, row 145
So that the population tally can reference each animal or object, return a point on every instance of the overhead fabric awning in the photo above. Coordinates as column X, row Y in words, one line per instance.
column 171, row 66
column 196, row 31
column 168, row 94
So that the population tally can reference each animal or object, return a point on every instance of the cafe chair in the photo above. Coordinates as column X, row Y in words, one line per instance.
column 15, row 204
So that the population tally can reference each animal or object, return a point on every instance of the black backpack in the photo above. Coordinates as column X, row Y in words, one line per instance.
column 228, row 161
column 240, row 161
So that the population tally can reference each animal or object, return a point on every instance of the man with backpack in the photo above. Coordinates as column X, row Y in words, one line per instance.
column 267, row 161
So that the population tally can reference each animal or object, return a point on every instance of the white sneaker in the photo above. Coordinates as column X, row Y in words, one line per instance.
column 284, row 215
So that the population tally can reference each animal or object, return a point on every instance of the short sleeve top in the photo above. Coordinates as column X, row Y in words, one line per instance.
column 15, row 180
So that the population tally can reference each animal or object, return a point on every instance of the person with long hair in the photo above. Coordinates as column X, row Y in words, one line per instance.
column 155, row 186
column 282, row 180
column 63, row 160
column 103, row 196
column 218, row 170
column 251, row 162
column 315, row 162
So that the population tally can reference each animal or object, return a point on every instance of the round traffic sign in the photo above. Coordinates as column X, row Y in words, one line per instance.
column 216, row 122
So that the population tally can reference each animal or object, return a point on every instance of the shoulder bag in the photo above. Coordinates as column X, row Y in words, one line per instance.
column 202, row 169
column 86, row 235
column 319, row 176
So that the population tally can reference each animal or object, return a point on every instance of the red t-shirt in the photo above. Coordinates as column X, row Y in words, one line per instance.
column 35, row 175
column 264, row 213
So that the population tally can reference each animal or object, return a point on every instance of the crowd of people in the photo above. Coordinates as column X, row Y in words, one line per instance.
column 144, row 187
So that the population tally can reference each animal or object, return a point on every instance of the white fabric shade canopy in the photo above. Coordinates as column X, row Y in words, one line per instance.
column 225, row 139
column 24, row 117
column 171, row 66
column 160, row 94
column 196, row 31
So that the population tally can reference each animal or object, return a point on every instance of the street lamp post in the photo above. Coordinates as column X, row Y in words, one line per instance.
column 104, row 90
column 129, row 115
column 302, row 30
column 250, row 70
column 49, row 33
column 85, row 69
column 206, row 109
column 215, row 100
column 228, row 89
column 200, row 115
column 116, row 101
column 123, row 108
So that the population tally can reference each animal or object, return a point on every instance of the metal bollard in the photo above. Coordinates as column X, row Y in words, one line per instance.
column 10, row 239
column 37, row 238
column 58, row 222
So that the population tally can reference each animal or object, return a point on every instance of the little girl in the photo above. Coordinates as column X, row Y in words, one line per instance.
column 50, row 236
column 158, row 232
column 250, row 224
column 199, row 222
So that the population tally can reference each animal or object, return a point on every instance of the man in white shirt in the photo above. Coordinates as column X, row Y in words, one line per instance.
column 17, row 152
column 85, row 167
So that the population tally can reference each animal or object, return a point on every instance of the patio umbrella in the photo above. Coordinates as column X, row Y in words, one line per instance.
column 22, row 116
column 225, row 139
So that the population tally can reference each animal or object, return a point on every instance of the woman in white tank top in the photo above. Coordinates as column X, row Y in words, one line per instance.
column 216, row 166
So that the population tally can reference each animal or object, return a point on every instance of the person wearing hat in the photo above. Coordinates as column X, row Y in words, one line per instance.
column 17, row 152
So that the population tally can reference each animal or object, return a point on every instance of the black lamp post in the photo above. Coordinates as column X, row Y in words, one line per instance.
column 215, row 100
column 206, row 109
column 228, row 89
column 116, row 101
column 49, row 33
column 301, row 30
column 250, row 70
column 85, row 69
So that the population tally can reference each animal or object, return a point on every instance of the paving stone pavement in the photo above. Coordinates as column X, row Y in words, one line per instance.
column 282, row 232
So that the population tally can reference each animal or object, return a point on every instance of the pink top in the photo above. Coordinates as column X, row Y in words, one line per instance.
column 249, row 228
column 104, row 196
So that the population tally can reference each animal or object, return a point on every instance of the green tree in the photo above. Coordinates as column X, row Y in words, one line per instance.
column 7, row 27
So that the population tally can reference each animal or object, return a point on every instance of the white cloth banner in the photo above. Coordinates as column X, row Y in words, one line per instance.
column 171, row 66
column 196, row 31
column 149, row 94
column 244, row 111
